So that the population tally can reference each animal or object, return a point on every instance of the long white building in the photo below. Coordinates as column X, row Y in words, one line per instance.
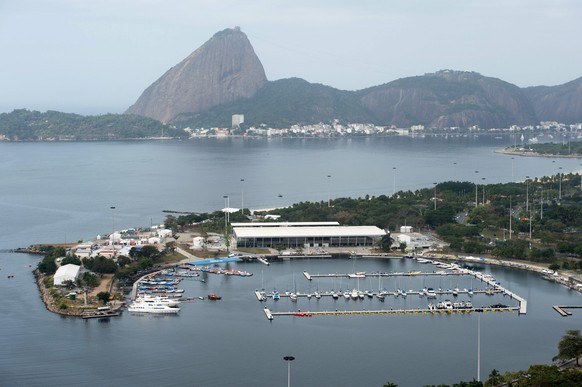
column 304, row 234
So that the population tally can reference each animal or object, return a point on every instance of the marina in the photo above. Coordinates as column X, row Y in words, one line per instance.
column 442, row 307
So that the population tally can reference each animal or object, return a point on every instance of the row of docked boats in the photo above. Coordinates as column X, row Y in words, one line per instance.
column 157, row 294
column 448, row 305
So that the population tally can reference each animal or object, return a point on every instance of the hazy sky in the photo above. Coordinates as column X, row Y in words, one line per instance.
column 97, row 56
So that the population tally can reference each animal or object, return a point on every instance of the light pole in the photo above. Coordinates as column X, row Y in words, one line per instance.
column 435, row 196
column 394, row 181
column 455, row 170
column 526, row 193
column 560, row 191
column 113, row 226
column 512, row 174
column 328, row 191
column 242, row 196
column 483, row 179
column 476, row 185
column 478, row 347
column 225, row 215
column 510, row 216
column 289, row 359
column 530, row 229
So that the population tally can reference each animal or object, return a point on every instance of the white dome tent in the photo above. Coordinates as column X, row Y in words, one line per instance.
column 68, row 272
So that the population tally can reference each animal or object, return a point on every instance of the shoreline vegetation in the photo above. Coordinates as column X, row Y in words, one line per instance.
column 551, row 150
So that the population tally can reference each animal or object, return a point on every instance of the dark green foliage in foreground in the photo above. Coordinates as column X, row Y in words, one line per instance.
column 570, row 346
column 26, row 125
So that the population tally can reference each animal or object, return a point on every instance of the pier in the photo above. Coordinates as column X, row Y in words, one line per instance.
column 270, row 315
column 561, row 309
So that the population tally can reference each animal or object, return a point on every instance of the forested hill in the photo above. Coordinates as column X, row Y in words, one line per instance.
column 26, row 125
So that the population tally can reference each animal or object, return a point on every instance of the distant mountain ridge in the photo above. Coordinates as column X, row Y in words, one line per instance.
column 225, row 77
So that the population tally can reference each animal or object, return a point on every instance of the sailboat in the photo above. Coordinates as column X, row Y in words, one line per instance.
column 293, row 295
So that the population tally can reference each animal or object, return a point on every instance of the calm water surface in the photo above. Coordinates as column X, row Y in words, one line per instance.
column 64, row 191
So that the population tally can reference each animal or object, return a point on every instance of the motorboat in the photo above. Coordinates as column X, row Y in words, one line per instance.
column 430, row 293
column 152, row 307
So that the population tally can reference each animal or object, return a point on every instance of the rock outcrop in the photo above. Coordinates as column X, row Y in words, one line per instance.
column 222, row 70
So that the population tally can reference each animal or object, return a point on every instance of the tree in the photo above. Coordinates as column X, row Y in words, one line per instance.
column 386, row 242
column 47, row 265
column 103, row 297
column 71, row 259
column 570, row 346
column 494, row 378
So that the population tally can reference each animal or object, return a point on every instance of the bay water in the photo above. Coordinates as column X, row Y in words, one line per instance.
column 63, row 192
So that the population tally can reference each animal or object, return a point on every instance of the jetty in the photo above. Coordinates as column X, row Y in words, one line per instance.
column 420, row 311
column 562, row 309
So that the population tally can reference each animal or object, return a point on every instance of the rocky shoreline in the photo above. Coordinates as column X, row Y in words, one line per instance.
column 48, row 300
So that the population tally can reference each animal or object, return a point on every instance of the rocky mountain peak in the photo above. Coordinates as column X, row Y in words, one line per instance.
column 222, row 70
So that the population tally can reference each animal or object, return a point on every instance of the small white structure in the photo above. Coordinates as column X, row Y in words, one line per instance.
column 198, row 243
column 405, row 229
column 164, row 233
column 64, row 273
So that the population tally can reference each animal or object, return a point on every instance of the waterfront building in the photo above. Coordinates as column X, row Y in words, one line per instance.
column 305, row 234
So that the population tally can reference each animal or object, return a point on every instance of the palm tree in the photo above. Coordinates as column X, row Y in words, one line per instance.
column 494, row 378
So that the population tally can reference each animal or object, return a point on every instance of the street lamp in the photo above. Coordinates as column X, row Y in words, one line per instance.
column 242, row 196
column 289, row 359
column 483, row 179
column 479, row 346
column 435, row 196
column 476, row 184
column 560, row 194
column 113, row 226
column 512, row 174
column 394, row 181
column 527, row 194
column 455, row 170
column 328, row 191
column 226, row 205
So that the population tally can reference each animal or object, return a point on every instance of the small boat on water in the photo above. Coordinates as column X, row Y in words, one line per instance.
column 293, row 297
column 380, row 297
column 334, row 295
column 430, row 293
column 214, row 297
column 354, row 294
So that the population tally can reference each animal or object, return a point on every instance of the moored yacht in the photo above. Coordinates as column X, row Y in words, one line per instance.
column 152, row 307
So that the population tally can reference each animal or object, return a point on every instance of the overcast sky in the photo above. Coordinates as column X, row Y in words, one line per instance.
column 97, row 56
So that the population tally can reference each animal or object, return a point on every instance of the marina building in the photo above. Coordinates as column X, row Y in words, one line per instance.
column 304, row 234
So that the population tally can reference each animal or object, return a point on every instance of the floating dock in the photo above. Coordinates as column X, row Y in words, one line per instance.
column 270, row 315
column 561, row 309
